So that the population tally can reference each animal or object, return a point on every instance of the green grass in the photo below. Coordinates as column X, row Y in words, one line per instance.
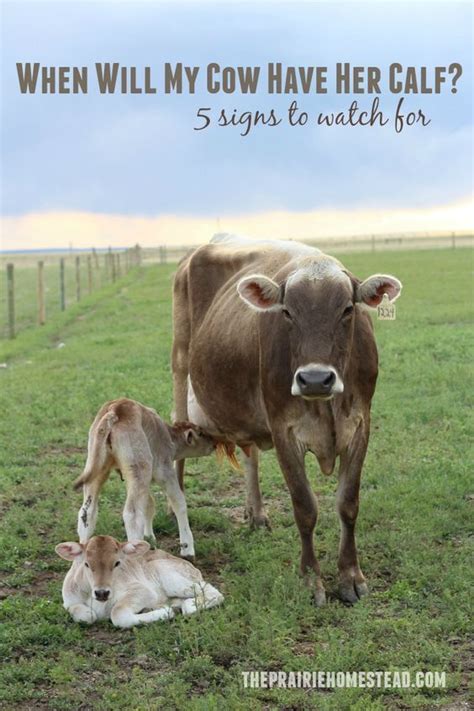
column 412, row 532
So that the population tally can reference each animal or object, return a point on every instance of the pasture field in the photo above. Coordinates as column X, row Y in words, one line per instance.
column 413, row 529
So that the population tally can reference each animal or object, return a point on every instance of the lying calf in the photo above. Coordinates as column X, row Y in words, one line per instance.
column 116, row 580
column 132, row 438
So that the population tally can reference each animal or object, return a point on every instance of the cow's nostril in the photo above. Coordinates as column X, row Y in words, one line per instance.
column 329, row 379
column 301, row 379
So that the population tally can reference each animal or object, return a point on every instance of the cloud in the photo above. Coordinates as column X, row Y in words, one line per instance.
column 139, row 154
column 86, row 230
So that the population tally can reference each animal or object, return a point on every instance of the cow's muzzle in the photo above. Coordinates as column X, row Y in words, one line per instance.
column 316, row 381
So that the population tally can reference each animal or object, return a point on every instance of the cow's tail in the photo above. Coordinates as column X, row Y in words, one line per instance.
column 97, row 450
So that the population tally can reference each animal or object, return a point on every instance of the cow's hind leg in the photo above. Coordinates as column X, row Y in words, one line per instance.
column 291, row 459
column 255, row 511
column 352, row 584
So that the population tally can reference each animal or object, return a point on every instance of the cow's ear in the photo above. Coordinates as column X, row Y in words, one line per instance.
column 260, row 293
column 372, row 290
column 135, row 547
column 69, row 550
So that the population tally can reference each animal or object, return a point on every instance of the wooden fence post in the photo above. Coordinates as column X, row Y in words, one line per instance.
column 41, row 304
column 112, row 264
column 62, row 285
column 119, row 268
column 11, row 300
column 89, row 274
column 78, row 278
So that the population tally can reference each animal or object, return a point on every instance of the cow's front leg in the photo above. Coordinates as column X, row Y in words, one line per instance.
column 255, row 511
column 291, row 458
column 168, row 479
column 352, row 582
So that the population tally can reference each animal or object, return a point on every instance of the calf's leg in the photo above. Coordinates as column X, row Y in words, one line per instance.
column 149, row 515
column 291, row 459
column 126, row 612
column 136, row 510
column 87, row 516
column 352, row 582
column 75, row 605
column 255, row 511
column 169, row 481
column 179, row 468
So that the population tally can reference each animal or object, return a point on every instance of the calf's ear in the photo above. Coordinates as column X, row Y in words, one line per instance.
column 260, row 293
column 190, row 437
column 69, row 550
column 372, row 290
column 135, row 547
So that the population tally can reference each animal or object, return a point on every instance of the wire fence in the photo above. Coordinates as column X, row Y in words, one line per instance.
column 63, row 279
column 36, row 287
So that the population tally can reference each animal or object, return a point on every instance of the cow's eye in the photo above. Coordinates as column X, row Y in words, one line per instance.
column 117, row 563
column 286, row 314
column 348, row 310
column 87, row 565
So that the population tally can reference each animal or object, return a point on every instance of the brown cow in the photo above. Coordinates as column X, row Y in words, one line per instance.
column 273, row 347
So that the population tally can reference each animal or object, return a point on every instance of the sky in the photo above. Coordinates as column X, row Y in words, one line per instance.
column 117, row 168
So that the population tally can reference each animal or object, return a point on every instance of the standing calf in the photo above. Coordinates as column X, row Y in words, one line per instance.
column 133, row 439
column 116, row 580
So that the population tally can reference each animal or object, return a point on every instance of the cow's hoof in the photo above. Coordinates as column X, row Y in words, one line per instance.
column 319, row 596
column 257, row 520
column 351, row 592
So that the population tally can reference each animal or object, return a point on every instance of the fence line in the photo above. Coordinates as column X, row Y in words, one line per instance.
column 168, row 254
column 77, row 280
column 115, row 263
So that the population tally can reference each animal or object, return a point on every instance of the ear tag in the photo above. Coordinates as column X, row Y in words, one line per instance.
column 386, row 310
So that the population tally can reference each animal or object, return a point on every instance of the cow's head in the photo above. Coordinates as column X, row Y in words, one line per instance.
column 101, row 557
column 317, row 303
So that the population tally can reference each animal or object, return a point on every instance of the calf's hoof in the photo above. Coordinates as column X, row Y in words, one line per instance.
column 187, row 555
column 189, row 558
column 351, row 591
column 151, row 540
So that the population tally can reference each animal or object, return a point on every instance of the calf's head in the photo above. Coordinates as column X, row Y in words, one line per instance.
column 101, row 557
column 191, row 441
column 316, row 305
